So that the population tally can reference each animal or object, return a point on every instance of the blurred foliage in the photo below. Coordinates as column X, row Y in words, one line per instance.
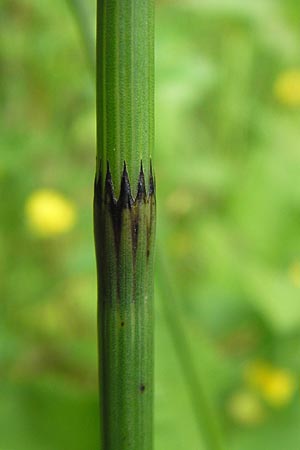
column 227, row 165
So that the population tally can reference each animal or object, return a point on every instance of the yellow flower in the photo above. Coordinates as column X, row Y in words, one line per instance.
column 48, row 213
column 294, row 273
column 287, row 88
column 277, row 386
column 280, row 388
column 245, row 408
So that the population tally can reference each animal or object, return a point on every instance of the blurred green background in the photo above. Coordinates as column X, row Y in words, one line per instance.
column 227, row 164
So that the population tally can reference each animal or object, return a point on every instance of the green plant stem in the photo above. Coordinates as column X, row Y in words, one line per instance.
column 124, row 212
column 125, row 87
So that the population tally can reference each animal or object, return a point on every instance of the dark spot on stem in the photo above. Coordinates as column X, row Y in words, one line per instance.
column 142, row 388
column 122, row 324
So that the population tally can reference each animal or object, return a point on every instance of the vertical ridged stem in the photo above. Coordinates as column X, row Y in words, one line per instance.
column 125, row 221
column 125, row 86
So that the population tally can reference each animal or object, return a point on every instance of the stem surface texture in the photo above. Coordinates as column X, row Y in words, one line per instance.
column 124, row 221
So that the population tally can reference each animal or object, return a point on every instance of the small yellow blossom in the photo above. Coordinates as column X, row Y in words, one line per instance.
column 287, row 88
column 280, row 388
column 48, row 213
column 294, row 273
column 246, row 408
column 277, row 386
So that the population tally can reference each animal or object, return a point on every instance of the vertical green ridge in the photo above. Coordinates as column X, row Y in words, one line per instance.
column 125, row 86
column 124, row 216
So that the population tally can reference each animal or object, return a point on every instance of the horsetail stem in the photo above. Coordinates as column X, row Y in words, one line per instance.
column 124, row 217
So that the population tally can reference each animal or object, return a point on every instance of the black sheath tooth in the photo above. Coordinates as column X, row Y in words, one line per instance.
column 98, row 190
column 125, row 199
column 109, row 187
column 141, row 188
column 151, row 181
